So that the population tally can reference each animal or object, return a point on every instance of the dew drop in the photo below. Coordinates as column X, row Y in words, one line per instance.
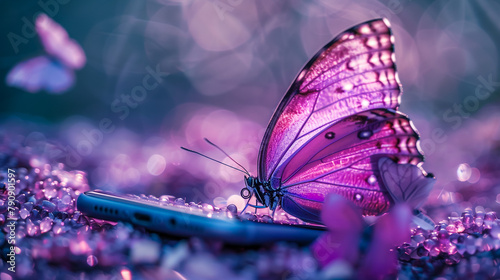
column 92, row 260
column 266, row 219
column 179, row 201
column 165, row 199
column 372, row 180
column 365, row 134
column 330, row 135
column 207, row 208
column 153, row 198
column 248, row 216
column 233, row 209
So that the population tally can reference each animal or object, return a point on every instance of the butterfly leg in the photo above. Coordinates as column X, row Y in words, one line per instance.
column 244, row 208
column 276, row 201
column 272, row 215
column 257, row 206
column 248, row 204
column 254, row 206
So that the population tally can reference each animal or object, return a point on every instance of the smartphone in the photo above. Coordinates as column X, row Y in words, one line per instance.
column 185, row 221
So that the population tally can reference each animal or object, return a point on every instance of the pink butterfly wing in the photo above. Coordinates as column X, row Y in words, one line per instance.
column 57, row 43
column 40, row 73
column 342, row 159
column 353, row 73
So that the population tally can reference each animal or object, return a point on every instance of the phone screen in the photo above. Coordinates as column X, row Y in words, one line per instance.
column 174, row 216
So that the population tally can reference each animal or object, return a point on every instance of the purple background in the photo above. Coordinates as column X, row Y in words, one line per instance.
column 229, row 64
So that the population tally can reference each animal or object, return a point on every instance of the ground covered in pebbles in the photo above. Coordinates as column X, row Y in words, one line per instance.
column 53, row 240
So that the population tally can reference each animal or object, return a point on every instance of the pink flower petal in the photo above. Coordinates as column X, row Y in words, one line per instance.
column 390, row 230
column 340, row 214
column 345, row 224
column 336, row 246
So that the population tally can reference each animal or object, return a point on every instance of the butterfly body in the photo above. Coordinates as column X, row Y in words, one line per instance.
column 338, row 119
column 266, row 195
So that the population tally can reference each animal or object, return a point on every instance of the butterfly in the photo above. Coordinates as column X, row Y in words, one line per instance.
column 53, row 72
column 337, row 130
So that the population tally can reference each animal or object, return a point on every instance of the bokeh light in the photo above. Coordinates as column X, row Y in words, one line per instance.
column 464, row 172
column 156, row 164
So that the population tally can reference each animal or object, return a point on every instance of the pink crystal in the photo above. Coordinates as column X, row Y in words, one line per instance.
column 58, row 228
column 45, row 225
column 23, row 213
column 31, row 228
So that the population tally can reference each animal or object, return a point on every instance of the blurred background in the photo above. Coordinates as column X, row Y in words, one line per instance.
column 220, row 67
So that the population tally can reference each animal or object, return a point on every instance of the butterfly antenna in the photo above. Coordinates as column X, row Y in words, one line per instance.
column 198, row 153
column 246, row 171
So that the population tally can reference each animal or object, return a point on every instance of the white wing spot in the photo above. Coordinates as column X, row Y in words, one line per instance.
column 386, row 21
column 301, row 75
column 358, row 197
column 372, row 180
column 372, row 42
column 396, row 77
column 387, row 99
column 365, row 30
column 383, row 40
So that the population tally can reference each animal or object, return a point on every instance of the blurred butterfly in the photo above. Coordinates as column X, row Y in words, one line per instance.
column 351, row 240
column 53, row 72
column 337, row 131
